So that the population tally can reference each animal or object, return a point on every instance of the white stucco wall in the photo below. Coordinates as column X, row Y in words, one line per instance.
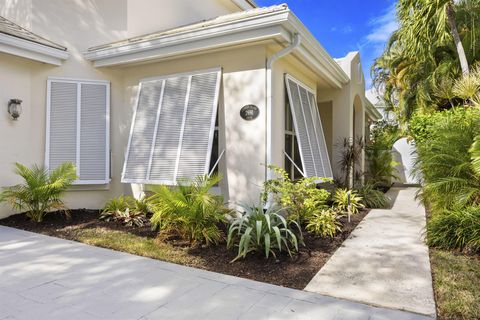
column 404, row 153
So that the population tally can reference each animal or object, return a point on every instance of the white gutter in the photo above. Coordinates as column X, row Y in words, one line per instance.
column 269, row 103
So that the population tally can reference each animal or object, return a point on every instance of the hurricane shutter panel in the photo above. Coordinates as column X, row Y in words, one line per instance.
column 199, row 124
column 62, row 124
column 312, row 136
column 301, row 129
column 93, row 124
column 165, row 154
column 327, row 168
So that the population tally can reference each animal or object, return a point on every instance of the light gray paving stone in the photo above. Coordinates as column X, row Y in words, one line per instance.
column 51, row 278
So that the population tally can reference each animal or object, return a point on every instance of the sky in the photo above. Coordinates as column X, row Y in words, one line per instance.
column 342, row 26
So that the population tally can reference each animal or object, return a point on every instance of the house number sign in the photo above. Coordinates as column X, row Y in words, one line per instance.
column 249, row 112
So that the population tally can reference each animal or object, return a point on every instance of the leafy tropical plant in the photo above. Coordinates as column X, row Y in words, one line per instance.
column 324, row 223
column 347, row 201
column 41, row 191
column 458, row 228
column 126, row 209
column 299, row 198
column 268, row 232
column 371, row 197
column 350, row 153
column 189, row 210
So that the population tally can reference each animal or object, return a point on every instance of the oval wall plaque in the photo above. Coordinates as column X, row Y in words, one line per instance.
column 249, row 112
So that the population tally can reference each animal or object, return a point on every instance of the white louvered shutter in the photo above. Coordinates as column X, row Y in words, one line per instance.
column 308, row 128
column 176, row 125
column 78, row 128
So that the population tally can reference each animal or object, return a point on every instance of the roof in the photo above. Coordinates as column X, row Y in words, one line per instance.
column 194, row 26
column 12, row 29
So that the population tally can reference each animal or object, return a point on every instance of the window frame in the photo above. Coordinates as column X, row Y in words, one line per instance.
column 163, row 78
column 79, row 82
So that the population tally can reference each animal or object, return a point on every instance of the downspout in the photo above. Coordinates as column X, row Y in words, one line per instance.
column 269, row 84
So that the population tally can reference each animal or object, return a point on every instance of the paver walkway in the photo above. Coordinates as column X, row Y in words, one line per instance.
column 385, row 262
column 49, row 278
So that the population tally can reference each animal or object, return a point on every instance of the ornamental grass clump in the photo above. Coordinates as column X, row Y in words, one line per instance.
column 262, row 231
column 41, row 190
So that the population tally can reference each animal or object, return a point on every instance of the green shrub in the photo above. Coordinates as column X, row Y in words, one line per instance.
column 126, row 209
column 455, row 229
column 444, row 161
column 300, row 198
column 347, row 201
column 41, row 191
column 372, row 198
column 189, row 211
column 259, row 231
column 324, row 223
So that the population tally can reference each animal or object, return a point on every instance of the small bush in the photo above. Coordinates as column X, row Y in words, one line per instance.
column 189, row 211
column 455, row 229
column 259, row 231
column 300, row 198
column 373, row 198
column 41, row 191
column 126, row 209
column 324, row 223
column 347, row 201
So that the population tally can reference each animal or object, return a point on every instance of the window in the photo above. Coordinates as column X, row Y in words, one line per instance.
column 293, row 162
column 173, row 129
column 308, row 131
column 78, row 128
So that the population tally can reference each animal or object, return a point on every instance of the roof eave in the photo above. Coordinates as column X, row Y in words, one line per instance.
column 372, row 111
column 32, row 50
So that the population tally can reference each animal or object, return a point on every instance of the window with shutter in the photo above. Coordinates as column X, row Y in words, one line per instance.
column 308, row 129
column 172, row 131
column 78, row 128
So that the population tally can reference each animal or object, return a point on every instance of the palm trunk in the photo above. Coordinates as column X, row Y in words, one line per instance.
column 456, row 38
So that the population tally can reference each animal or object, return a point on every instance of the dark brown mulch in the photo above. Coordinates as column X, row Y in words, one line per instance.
column 293, row 272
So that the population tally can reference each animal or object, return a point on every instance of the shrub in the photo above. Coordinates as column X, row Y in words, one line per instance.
column 259, row 231
column 300, row 198
column 372, row 198
column 126, row 209
column 347, row 201
column 455, row 229
column 324, row 223
column 349, row 158
column 189, row 210
column 41, row 191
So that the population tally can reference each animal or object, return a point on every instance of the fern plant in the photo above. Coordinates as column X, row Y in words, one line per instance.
column 189, row 210
column 324, row 223
column 41, row 190
column 268, row 232
column 347, row 201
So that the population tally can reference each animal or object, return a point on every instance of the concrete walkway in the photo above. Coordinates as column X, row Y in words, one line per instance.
column 384, row 262
column 49, row 278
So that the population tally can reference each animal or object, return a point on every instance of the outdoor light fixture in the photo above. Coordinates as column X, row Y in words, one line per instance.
column 15, row 108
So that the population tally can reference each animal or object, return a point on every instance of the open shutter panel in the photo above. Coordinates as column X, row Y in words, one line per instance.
column 309, row 131
column 62, row 140
column 78, row 125
column 181, row 133
column 93, row 137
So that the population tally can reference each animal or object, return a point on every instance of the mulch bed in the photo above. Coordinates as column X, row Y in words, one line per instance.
column 294, row 272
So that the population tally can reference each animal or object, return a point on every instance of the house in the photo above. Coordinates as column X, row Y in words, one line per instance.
column 139, row 92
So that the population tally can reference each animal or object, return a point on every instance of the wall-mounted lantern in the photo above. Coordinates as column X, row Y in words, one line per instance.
column 15, row 108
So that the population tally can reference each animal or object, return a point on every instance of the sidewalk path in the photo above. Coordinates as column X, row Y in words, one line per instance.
column 385, row 262
column 49, row 278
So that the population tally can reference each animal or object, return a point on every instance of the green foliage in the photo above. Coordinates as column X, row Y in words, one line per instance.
column 372, row 198
column 324, row 223
column 41, row 191
column 347, row 201
column 475, row 155
column 126, row 209
column 299, row 198
column 444, row 161
column 189, row 210
column 267, row 232
column 350, row 151
column 458, row 228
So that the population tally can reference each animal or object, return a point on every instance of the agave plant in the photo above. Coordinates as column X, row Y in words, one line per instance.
column 189, row 210
column 41, row 191
column 259, row 231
